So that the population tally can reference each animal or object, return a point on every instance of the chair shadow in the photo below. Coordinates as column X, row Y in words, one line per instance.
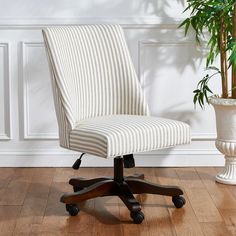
column 104, row 216
column 99, row 208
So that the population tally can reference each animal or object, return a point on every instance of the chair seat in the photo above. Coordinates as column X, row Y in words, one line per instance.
column 116, row 135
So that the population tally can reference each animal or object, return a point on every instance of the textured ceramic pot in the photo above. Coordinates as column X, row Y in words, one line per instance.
column 225, row 110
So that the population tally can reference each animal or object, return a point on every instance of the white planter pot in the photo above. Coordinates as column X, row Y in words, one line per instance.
column 225, row 110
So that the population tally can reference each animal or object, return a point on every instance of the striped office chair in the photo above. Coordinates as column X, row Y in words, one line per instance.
column 101, row 111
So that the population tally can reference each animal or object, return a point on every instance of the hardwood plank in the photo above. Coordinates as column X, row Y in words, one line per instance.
column 220, row 193
column 98, row 212
column 203, row 206
column 84, row 223
column 157, row 216
column 106, row 212
column 24, row 171
column 189, row 178
column 231, row 229
column 36, row 231
column 184, row 220
column 6, row 176
column 55, row 219
column 15, row 191
column 128, row 228
column 32, row 206
column 215, row 229
column 32, row 212
column 232, row 189
column 229, row 216
column 8, row 217
column 222, row 197
column 200, row 200
column 64, row 174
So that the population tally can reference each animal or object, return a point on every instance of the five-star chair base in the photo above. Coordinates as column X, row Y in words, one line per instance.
column 118, row 185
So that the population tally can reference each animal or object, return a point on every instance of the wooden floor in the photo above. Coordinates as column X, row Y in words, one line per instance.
column 29, row 204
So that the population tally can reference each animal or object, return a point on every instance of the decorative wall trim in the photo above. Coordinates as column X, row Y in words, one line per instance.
column 63, row 158
column 152, row 43
column 204, row 136
column 127, row 22
column 44, row 155
column 54, row 136
column 26, row 131
column 7, row 92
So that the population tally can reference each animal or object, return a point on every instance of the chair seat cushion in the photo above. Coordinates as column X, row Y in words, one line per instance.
column 115, row 135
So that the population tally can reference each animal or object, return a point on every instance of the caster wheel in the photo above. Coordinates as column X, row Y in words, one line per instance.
column 137, row 216
column 76, row 189
column 178, row 201
column 72, row 209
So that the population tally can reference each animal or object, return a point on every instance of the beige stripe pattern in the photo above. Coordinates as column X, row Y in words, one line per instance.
column 114, row 135
column 99, row 103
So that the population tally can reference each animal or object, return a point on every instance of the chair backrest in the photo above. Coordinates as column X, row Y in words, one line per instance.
column 92, row 74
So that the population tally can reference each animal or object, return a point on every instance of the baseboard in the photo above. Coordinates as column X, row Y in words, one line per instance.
column 163, row 158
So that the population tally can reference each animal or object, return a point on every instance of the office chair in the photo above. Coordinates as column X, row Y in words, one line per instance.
column 101, row 110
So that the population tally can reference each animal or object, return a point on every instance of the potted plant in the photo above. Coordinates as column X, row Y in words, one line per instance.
column 214, row 21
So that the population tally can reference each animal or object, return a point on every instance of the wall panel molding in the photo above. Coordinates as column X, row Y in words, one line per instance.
column 142, row 44
column 29, row 139
column 126, row 22
column 153, row 43
column 64, row 158
column 6, row 135
column 27, row 134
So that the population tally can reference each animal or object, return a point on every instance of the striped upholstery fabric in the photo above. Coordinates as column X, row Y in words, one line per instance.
column 93, row 74
column 97, row 94
column 110, row 136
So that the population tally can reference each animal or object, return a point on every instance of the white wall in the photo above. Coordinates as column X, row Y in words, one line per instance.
column 168, row 66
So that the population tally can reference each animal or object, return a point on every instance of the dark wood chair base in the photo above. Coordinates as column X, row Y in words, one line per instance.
column 123, row 187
